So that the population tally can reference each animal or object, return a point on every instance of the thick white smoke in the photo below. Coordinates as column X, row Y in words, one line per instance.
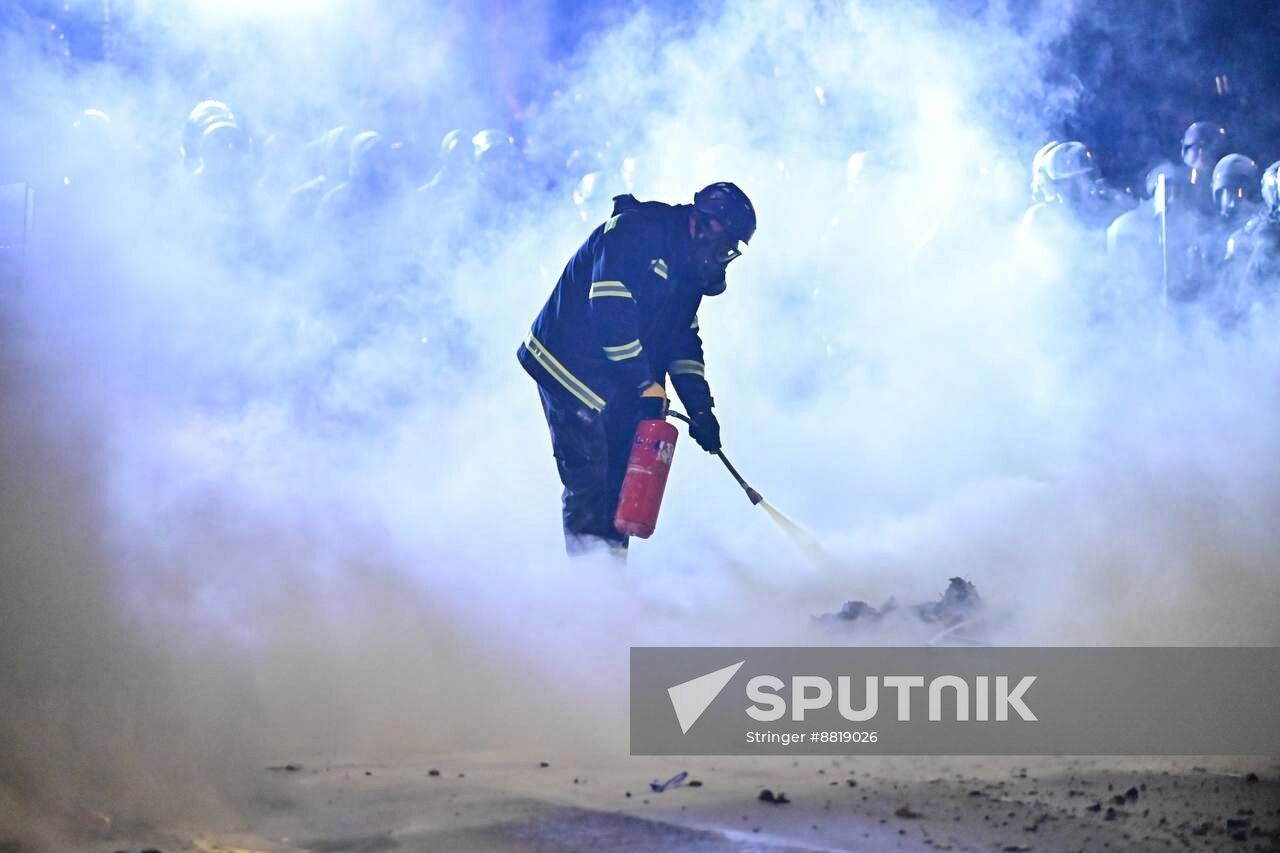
column 275, row 490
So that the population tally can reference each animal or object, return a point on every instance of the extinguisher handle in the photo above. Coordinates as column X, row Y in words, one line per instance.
column 752, row 494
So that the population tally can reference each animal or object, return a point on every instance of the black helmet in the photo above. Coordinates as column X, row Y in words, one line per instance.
column 1271, row 190
column 1173, row 177
column 201, row 116
column 1235, row 171
column 1211, row 138
column 1069, row 160
column 730, row 206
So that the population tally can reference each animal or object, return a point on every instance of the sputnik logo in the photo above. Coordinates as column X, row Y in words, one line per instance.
column 691, row 698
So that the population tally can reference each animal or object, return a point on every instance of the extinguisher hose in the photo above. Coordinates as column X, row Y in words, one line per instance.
column 752, row 494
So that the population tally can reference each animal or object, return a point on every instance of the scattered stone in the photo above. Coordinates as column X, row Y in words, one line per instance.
column 628, row 795
column 852, row 783
column 368, row 772
column 544, row 763
column 286, row 768
column 906, row 813
column 1250, row 778
column 1238, row 823
column 1118, row 799
column 768, row 796
column 1131, row 795
column 695, row 783
column 1110, row 815
column 1096, row 807
column 433, row 772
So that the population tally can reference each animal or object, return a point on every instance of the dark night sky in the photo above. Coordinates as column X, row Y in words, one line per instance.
column 1146, row 68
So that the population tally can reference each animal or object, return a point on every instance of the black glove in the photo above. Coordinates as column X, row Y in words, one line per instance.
column 652, row 408
column 705, row 429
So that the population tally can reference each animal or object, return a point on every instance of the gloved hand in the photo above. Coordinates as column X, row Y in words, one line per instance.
column 652, row 408
column 705, row 429
column 653, row 403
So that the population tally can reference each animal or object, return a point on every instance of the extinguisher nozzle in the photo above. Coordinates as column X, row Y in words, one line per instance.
column 754, row 496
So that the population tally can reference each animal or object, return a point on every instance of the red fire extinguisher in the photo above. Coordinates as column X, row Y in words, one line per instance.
column 647, row 469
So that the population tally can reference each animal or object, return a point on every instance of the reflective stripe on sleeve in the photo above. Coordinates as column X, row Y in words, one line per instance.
column 694, row 324
column 623, row 351
column 608, row 288
column 561, row 374
column 687, row 365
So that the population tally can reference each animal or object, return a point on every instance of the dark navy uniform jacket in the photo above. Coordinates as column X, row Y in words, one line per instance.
column 624, row 313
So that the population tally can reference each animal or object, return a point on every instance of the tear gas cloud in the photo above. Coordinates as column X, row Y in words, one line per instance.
column 275, row 484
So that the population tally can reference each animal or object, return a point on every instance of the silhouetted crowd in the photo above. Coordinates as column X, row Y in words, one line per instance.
column 376, row 216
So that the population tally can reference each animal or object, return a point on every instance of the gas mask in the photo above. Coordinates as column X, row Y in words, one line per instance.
column 711, row 253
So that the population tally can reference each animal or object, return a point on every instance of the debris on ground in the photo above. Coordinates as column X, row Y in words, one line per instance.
column 675, row 781
column 768, row 796
column 906, row 813
column 285, row 768
column 959, row 603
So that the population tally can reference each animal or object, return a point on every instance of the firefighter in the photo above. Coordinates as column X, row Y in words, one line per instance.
column 622, row 317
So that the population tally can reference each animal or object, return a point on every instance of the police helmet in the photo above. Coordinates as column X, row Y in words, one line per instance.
column 201, row 116
column 1235, row 171
column 492, row 145
column 1271, row 190
column 1207, row 135
column 1069, row 160
column 1172, row 177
